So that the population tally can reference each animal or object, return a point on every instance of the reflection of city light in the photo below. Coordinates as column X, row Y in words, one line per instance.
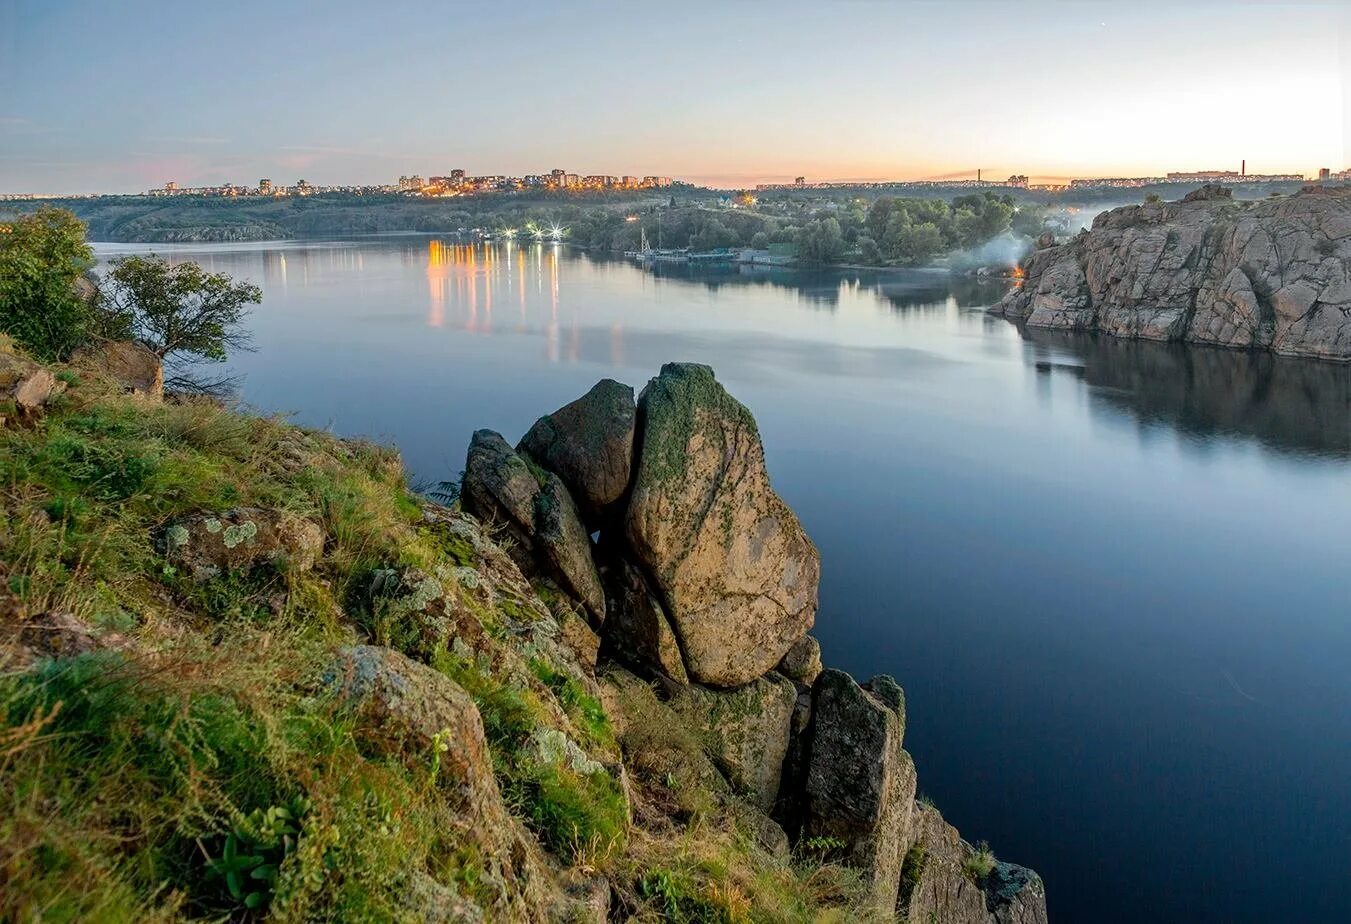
column 439, row 262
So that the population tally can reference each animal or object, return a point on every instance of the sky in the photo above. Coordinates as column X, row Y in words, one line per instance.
column 121, row 97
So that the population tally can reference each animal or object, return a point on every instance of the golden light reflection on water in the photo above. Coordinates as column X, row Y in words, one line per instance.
column 467, row 282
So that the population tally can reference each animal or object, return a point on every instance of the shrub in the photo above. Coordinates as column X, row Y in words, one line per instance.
column 42, row 256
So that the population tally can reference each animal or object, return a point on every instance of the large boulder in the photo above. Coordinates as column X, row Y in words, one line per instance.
column 746, row 731
column 860, row 785
column 562, row 538
column 589, row 444
column 407, row 708
column 499, row 487
column 132, row 364
column 207, row 544
column 734, row 567
column 503, row 487
column 637, row 630
column 416, row 714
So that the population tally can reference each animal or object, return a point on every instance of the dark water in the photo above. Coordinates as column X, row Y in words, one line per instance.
column 1114, row 579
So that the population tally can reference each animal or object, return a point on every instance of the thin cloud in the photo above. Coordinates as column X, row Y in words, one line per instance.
column 191, row 140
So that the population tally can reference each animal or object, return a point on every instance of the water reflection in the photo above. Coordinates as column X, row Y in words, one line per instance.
column 1287, row 404
column 906, row 291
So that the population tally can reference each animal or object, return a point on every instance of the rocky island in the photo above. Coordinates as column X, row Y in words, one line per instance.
column 1273, row 274
column 249, row 674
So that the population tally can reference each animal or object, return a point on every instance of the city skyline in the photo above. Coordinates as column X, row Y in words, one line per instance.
column 735, row 97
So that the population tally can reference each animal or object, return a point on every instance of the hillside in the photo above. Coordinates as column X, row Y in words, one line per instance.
column 248, row 674
column 186, row 219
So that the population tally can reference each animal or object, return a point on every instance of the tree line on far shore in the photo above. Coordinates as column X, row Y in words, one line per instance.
column 889, row 231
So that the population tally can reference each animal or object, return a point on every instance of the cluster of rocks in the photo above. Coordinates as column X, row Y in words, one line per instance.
column 1274, row 274
column 657, row 518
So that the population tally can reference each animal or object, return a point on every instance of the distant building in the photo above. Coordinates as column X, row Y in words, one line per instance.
column 264, row 187
column 800, row 181
column 411, row 183
column 1324, row 173
column 1229, row 176
column 1017, row 181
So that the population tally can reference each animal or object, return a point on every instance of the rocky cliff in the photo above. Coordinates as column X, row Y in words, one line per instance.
column 1274, row 274
column 246, row 674
column 710, row 590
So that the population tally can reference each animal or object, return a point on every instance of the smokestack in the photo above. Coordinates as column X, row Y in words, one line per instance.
column 977, row 174
column 1243, row 170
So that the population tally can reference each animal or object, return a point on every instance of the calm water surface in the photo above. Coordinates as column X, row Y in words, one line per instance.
column 1112, row 578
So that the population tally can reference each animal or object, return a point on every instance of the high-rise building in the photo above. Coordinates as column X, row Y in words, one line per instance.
column 264, row 187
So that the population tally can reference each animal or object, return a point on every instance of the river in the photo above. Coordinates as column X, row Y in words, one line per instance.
column 1113, row 578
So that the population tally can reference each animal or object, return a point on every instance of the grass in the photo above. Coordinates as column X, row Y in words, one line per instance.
column 576, row 815
column 584, row 709
column 980, row 863
column 912, row 868
column 208, row 766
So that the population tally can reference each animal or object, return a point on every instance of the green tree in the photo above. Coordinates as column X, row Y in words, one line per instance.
column 42, row 257
column 712, row 235
column 918, row 243
column 879, row 216
column 821, row 241
column 868, row 251
column 179, row 311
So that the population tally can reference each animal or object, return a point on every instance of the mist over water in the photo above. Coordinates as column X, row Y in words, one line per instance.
column 1110, row 576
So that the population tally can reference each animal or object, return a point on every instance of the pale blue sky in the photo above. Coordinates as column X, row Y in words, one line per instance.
column 123, row 96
